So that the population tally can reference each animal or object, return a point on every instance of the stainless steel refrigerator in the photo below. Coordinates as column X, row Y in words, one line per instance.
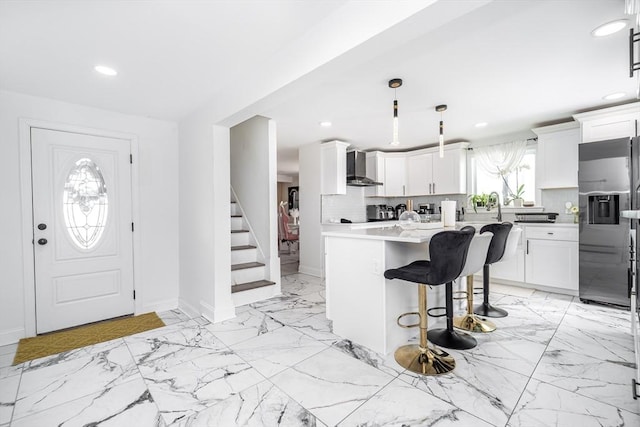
column 608, row 179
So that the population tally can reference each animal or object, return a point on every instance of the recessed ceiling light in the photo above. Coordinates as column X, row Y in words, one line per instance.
column 481, row 124
column 613, row 96
column 107, row 71
column 325, row 124
column 609, row 28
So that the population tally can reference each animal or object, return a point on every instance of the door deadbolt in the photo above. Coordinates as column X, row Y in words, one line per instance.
column 42, row 226
column 42, row 241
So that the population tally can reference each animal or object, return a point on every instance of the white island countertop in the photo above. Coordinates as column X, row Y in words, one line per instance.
column 392, row 234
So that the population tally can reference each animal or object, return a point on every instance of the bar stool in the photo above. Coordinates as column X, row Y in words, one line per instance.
column 495, row 254
column 475, row 261
column 448, row 250
column 448, row 337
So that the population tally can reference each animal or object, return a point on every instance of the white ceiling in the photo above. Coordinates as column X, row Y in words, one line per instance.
column 514, row 64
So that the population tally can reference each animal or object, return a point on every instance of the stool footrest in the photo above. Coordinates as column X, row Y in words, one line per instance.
column 436, row 308
column 411, row 313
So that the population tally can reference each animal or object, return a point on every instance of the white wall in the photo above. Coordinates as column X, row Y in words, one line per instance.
column 156, row 262
column 311, row 248
column 205, row 222
column 254, row 181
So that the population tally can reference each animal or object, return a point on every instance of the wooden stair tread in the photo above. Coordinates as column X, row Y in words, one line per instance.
column 242, row 247
column 246, row 265
column 239, row 231
column 236, row 216
column 251, row 285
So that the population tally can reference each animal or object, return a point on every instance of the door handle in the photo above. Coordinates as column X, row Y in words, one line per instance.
column 434, row 188
column 42, row 241
column 429, row 188
column 527, row 246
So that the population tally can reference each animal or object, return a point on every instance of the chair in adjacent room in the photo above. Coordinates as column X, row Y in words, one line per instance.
column 286, row 235
column 448, row 251
column 476, row 257
column 448, row 337
column 495, row 254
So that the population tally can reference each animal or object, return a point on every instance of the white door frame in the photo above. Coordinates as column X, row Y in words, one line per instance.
column 28, row 259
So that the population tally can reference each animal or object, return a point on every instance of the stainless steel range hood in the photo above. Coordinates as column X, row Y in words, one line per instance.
column 357, row 170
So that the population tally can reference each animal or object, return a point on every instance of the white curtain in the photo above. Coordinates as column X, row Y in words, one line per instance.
column 501, row 159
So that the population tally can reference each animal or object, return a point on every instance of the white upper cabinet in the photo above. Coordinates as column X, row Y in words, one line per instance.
column 334, row 167
column 609, row 123
column 557, row 155
column 450, row 172
column 428, row 174
column 419, row 174
column 395, row 174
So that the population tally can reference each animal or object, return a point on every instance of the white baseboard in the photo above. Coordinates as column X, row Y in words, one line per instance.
column 187, row 308
column 217, row 315
column 311, row 271
column 157, row 306
column 11, row 336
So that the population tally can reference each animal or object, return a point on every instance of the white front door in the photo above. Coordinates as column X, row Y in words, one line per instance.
column 82, row 228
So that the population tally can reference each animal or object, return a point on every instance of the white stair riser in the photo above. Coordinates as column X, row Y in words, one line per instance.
column 234, row 209
column 253, row 295
column 244, row 255
column 247, row 275
column 239, row 239
column 236, row 223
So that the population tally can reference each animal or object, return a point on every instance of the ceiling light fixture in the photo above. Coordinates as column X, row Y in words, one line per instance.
column 609, row 28
column 613, row 96
column 325, row 124
column 107, row 71
column 395, row 84
column 440, row 109
column 481, row 125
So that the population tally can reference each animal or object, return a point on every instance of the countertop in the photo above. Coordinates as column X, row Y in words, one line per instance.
column 391, row 231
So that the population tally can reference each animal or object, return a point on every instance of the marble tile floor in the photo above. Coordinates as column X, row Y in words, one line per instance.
column 552, row 362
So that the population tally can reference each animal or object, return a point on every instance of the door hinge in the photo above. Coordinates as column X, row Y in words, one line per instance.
column 134, row 294
column 131, row 158
column 132, row 228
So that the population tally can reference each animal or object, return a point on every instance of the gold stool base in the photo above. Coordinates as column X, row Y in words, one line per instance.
column 473, row 323
column 424, row 362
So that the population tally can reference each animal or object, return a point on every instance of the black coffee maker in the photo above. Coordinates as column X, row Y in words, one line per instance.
column 400, row 208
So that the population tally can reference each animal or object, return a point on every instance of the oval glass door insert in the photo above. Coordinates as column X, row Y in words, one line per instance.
column 85, row 204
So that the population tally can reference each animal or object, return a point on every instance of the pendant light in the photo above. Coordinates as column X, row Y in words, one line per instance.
column 394, row 84
column 440, row 109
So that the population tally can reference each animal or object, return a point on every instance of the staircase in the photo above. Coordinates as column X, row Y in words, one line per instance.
column 248, row 272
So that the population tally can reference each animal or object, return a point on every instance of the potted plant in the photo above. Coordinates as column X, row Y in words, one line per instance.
column 516, row 197
column 478, row 201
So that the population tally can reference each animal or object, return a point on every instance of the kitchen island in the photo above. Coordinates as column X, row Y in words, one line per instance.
column 362, row 304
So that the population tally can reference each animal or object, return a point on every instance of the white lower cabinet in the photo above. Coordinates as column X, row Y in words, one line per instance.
column 546, row 257
column 551, row 257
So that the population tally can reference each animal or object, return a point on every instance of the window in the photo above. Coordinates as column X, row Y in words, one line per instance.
column 524, row 175
column 85, row 203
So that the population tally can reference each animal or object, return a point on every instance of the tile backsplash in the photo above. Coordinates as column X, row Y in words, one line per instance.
column 353, row 205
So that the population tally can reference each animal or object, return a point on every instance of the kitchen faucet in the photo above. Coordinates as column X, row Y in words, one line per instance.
column 489, row 205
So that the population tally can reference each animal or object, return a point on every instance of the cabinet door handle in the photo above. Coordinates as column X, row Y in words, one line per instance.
column 434, row 188
column 527, row 246
column 403, row 191
column 429, row 188
column 550, row 234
